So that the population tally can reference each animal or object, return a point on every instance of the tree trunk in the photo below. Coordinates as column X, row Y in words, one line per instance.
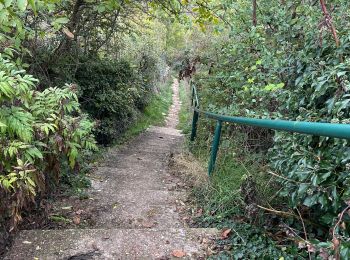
column 66, row 43
column 254, row 13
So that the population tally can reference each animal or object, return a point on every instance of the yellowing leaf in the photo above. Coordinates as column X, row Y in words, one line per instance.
column 67, row 32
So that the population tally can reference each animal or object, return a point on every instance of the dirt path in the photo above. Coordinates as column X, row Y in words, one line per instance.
column 173, row 116
column 131, row 210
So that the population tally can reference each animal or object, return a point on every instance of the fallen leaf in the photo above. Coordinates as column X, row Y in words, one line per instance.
column 227, row 247
column 186, row 218
column 182, row 203
column 343, row 225
column 94, row 246
column 148, row 224
column 311, row 248
column 68, row 33
column 76, row 220
column 225, row 233
column 336, row 243
column 301, row 244
column 178, row 253
column 79, row 212
column 324, row 254
column 205, row 240
column 199, row 213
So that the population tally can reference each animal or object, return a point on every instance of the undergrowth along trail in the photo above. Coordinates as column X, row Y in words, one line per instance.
column 227, row 200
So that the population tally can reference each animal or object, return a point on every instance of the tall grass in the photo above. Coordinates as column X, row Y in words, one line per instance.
column 185, row 111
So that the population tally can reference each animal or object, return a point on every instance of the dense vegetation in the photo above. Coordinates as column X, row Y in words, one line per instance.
column 287, row 60
column 41, row 133
column 95, row 65
column 71, row 72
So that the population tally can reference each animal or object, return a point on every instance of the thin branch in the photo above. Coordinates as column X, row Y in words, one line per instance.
column 254, row 13
column 335, row 240
column 329, row 22
column 284, row 178
column 302, row 222
column 277, row 212
column 112, row 27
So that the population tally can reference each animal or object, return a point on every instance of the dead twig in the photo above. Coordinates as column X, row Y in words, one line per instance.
column 335, row 240
column 305, row 233
column 277, row 212
column 282, row 177
column 329, row 23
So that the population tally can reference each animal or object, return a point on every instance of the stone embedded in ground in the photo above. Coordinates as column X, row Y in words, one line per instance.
column 132, row 207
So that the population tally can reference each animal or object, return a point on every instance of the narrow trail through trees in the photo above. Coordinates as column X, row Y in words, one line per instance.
column 173, row 116
column 132, row 207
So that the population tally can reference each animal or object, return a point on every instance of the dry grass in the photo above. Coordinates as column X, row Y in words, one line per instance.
column 188, row 168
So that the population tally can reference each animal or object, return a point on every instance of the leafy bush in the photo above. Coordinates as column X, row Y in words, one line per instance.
column 112, row 93
column 290, row 66
column 316, row 169
column 38, row 131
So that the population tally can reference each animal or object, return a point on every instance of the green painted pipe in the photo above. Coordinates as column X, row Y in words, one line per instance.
column 192, row 96
column 194, row 125
column 194, row 103
column 195, row 99
column 311, row 128
column 215, row 147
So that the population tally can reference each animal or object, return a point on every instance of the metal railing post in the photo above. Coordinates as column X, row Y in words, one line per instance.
column 194, row 125
column 192, row 96
column 194, row 104
column 215, row 147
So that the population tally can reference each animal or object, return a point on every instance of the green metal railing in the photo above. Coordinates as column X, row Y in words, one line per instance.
column 303, row 127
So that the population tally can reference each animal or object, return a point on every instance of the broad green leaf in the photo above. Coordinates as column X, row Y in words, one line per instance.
column 33, row 6
column 61, row 20
column 310, row 200
column 7, row 3
column 22, row 4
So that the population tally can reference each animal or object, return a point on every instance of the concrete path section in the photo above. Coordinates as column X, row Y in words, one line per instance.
column 133, row 205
